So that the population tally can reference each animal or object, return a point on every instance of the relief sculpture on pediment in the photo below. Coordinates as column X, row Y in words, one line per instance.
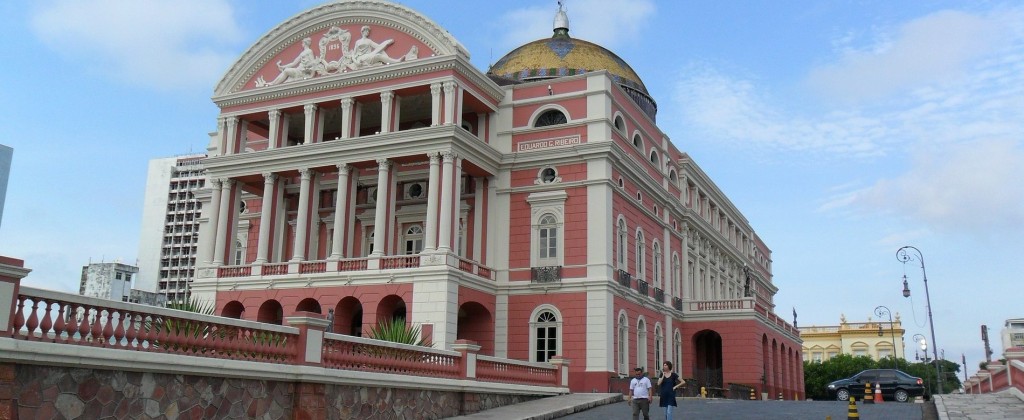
column 364, row 53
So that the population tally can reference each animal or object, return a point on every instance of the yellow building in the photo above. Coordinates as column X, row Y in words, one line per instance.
column 871, row 338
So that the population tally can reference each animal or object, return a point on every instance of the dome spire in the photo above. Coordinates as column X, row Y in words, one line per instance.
column 561, row 26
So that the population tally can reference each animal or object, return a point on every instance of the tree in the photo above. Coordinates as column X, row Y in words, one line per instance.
column 818, row 374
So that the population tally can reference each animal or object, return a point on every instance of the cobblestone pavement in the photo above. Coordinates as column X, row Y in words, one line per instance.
column 692, row 408
column 1001, row 406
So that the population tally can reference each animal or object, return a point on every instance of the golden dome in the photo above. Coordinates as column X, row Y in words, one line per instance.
column 561, row 55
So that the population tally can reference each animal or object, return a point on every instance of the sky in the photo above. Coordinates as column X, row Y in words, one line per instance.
column 843, row 130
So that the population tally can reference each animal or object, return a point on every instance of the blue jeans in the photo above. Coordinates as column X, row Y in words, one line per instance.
column 668, row 411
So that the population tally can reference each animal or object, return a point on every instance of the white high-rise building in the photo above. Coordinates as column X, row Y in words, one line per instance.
column 1013, row 333
column 167, row 243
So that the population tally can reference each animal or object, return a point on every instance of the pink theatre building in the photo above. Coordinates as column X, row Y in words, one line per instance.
column 365, row 170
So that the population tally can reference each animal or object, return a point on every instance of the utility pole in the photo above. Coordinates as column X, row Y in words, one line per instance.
column 988, row 349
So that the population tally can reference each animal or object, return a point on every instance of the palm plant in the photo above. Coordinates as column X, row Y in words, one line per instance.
column 397, row 331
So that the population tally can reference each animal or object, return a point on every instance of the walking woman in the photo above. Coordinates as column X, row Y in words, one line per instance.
column 667, row 384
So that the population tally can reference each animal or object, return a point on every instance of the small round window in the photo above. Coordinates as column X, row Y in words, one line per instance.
column 415, row 191
column 548, row 175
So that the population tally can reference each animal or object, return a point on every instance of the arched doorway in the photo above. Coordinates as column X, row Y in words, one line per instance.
column 308, row 305
column 391, row 308
column 348, row 317
column 476, row 324
column 707, row 360
column 271, row 313
column 233, row 309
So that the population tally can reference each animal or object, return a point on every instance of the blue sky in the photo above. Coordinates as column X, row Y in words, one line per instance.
column 842, row 130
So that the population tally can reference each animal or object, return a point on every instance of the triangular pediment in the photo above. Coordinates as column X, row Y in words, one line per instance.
column 337, row 38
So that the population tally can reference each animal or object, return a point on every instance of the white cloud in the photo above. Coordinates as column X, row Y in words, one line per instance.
column 937, row 48
column 969, row 188
column 590, row 21
column 161, row 44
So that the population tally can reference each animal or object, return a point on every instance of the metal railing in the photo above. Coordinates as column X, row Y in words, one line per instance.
column 550, row 274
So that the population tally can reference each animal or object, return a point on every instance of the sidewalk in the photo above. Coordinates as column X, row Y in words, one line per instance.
column 1002, row 405
column 546, row 408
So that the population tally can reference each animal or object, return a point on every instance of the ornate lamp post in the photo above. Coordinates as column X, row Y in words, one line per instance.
column 904, row 256
column 879, row 310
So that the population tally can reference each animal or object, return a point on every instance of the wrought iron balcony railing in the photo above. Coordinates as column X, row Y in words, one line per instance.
column 641, row 287
column 625, row 279
column 677, row 303
column 552, row 274
column 659, row 295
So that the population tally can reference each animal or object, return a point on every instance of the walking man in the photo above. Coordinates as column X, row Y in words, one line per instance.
column 640, row 394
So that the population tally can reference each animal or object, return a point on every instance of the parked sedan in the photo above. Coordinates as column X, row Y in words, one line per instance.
column 896, row 385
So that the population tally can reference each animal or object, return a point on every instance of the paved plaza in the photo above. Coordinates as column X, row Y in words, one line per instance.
column 1004, row 406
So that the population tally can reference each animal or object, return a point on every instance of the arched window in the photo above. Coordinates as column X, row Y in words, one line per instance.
column 672, row 176
column 654, row 159
column 656, row 250
column 641, row 344
column 623, row 346
column 548, row 237
column 239, row 253
column 677, row 289
column 621, row 257
column 659, row 341
column 368, row 243
column 413, row 240
column 545, row 332
column 640, row 254
column 638, row 142
column 677, row 348
column 620, row 125
column 550, row 117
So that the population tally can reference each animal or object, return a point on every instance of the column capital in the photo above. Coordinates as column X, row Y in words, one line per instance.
column 216, row 184
column 347, row 102
column 274, row 114
column 269, row 177
column 435, row 88
column 435, row 157
column 449, row 87
column 387, row 95
column 343, row 168
column 383, row 164
column 227, row 182
column 231, row 121
column 449, row 155
column 305, row 173
column 309, row 108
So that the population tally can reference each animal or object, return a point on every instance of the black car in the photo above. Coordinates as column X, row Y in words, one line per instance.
column 896, row 385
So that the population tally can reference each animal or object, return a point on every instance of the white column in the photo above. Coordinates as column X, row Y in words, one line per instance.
column 478, row 218
column 457, row 204
column 684, row 263
column 380, row 218
column 223, row 218
column 346, row 117
column 386, row 100
column 302, row 219
column 232, row 136
column 310, row 113
column 435, row 104
column 449, row 102
column 214, row 218
column 666, row 262
column 445, row 239
column 458, row 105
column 275, row 128
column 266, row 211
column 340, row 210
column 481, row 121
column 222, row 135
column 433, row 195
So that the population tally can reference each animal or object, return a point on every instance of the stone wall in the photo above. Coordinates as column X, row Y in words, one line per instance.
column 60, row 392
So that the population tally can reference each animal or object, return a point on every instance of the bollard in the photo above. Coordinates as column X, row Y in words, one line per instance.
column 852, row 411
column 703, row 392
column 780, row 396
column 752, row 394
column 867, row 394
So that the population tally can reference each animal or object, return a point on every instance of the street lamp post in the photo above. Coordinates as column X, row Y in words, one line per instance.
column 882, row 309
column 904, row 256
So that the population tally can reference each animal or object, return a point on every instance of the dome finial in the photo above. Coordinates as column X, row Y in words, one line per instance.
column 561, row 26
